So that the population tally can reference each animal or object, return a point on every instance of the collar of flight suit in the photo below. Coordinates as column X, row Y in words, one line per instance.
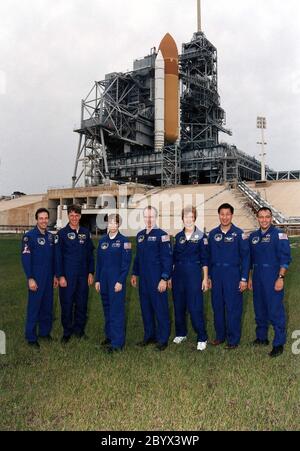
column 39, row 232
column 195, row 232
column 232, row 229
column 72, row 230
column 113, row 239
column 153, row 228
column 270, row 230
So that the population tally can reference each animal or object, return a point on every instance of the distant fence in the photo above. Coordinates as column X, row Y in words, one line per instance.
column 290, row 230
column 18, row 229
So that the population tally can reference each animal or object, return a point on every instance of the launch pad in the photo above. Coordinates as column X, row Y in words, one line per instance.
column 125, row 117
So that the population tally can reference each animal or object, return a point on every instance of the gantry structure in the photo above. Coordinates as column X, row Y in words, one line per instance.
column 116, row 132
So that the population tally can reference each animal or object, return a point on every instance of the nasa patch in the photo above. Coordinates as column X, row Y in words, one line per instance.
column 141, row 238
column 255, row 240
column 71, row 236
column 218, row 237
column 104, row 246
column 182, row 240
column 56, row 239
column 41, row 241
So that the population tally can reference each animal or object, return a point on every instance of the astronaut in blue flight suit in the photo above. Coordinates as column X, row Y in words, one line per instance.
column 229, row 265
column 153, row 266
column 270, row 259
column 190, row 258
column 112, row 267
column 75, row 270
column 38, row 260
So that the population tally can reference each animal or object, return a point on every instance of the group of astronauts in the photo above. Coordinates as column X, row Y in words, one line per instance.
column 227, row 261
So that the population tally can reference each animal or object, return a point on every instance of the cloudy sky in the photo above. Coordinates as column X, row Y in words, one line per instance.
column 51, row 51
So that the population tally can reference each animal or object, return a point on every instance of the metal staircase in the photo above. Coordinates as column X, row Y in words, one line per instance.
column 255, row 202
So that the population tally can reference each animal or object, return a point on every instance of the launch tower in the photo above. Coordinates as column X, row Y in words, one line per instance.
column 159, row 124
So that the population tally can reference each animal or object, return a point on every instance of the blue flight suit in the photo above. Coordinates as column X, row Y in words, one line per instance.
column 113, row 264
column 270, row 251
column 229, row 265
column 38, row 260
column 189, row 256
column 153, row 262
column 75, row 261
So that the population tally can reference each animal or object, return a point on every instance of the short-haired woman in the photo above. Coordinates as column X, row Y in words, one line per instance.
column 113, row 263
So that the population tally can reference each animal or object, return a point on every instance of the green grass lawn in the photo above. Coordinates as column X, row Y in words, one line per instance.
column 79, row 387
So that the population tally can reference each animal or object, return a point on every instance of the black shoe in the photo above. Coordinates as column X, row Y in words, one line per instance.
column 34, row 344
column 258, row 342
column 81, row 336
column 65, row 339
column 231, row 347
column 144, row 343
column 105, row 342
column 276, row 351
column 111, row 350
column 161, row 346
column 216, row 342
column 46, row 338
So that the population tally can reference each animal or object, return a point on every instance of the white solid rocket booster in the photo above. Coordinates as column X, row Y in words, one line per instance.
column 159, row 139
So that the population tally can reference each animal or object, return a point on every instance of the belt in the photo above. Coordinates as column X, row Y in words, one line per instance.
column 265, row 265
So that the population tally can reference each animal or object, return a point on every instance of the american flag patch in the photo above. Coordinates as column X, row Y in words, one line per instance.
column 282, row 236
column 245, row 236
column 127, row 246
column 205, row 241
column 165, row 238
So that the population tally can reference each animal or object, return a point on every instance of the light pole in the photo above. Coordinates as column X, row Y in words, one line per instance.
column 262, row 125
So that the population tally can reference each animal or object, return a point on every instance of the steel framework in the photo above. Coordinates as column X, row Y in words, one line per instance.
column 283, row 175
column 116, row 134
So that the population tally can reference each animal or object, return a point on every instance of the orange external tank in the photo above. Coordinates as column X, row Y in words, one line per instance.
column 169, row 52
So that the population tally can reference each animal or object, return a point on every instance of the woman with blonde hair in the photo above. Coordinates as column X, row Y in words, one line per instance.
column 190, row 278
